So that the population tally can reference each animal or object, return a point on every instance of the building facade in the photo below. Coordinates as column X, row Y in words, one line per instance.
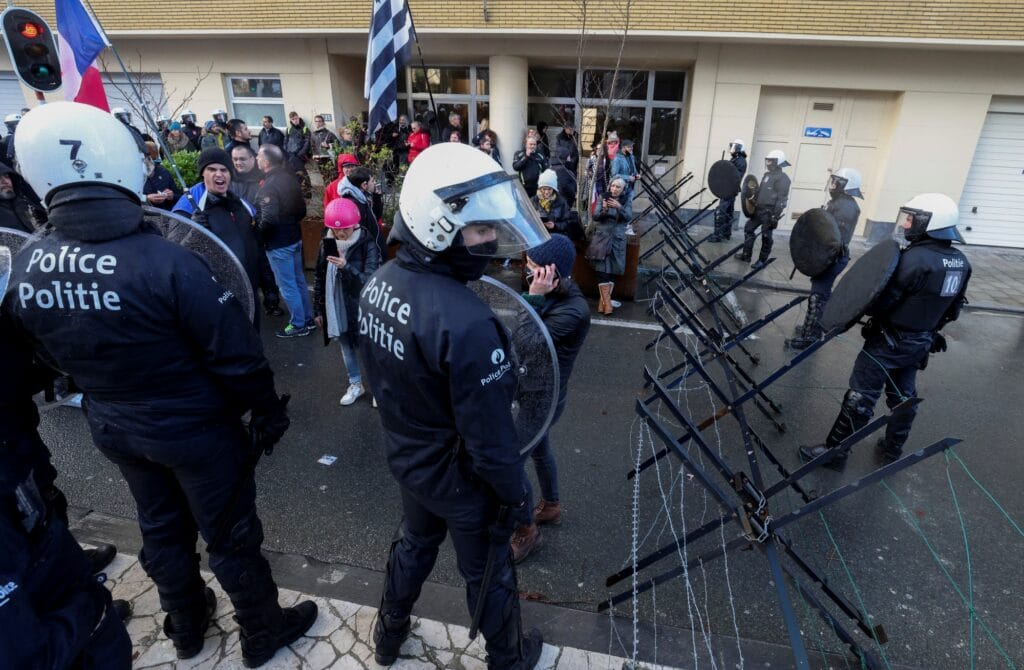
column 919, row 96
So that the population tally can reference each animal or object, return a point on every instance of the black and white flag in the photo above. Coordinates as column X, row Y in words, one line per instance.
column 390, row 48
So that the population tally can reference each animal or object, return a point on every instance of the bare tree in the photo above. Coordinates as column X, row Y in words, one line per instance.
column 155, row 100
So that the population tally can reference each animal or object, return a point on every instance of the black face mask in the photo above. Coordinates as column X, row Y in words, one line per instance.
column 468, row 266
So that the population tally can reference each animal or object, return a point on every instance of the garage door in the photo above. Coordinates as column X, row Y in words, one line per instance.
column 12, row 100
column 992, row 203
column 821, row 131
column 120, row 94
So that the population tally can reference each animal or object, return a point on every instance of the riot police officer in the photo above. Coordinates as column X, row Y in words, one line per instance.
column 927, row 291
column 437, row 360
column 725, row 209
column 168, row 364
column 769, row 206
column 843, row 187
column 53, row 612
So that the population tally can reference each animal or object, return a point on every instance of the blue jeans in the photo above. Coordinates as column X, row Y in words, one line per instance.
column 348, row 342
column 286, row 263
column 547, row 467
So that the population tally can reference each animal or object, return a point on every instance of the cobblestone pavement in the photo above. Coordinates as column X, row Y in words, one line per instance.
column 341, row 637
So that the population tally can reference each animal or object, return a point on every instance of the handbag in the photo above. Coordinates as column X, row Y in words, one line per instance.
column 600, row 245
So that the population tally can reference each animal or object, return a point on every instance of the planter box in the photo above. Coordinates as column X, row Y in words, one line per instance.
column 312, row 233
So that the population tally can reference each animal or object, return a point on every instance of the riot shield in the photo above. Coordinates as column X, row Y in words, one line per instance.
column 815, row 242
column 748, row 195
column 532, row 356
column 861, row 285
column 227, row 269
column 724, row 180
column 5, row 269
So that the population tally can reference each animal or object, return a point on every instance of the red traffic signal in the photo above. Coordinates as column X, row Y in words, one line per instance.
column 31, row 48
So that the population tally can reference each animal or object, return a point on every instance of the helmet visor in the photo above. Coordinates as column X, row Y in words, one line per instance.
column 495, row 202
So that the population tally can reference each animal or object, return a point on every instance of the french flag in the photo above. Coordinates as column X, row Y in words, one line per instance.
column 80, row 40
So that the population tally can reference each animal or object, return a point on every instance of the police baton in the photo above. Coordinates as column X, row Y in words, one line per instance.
column 485, row 583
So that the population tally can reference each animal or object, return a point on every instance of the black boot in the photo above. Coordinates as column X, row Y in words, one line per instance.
column 267, row 628
column 186, row 628
column 389, row 633
column 100, row 557
column 122, row 608
column 888, row 452
column 854, row 414
column 812, row 330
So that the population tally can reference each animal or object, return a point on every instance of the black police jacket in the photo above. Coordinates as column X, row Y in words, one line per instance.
column 773, row 193
column 566, row 315
column 438, row 361
column 739, row 161
column 281, row 208
column 158, row 347
column 928, row 289
column 846, row 212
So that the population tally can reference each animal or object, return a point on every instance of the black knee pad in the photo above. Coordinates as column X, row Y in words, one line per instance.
column 856, row 403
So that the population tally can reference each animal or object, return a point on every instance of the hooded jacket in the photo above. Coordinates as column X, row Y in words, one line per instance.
column 24, row 211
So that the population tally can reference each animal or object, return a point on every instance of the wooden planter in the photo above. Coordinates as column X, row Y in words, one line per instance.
column 312, row 233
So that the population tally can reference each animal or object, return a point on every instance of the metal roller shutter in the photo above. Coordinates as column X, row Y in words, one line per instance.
column 11, row 97
column 992, row 203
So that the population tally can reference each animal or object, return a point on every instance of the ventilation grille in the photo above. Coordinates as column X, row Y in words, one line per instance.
column 824, row 106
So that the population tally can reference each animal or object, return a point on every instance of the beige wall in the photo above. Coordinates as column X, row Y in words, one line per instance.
column 941, row 101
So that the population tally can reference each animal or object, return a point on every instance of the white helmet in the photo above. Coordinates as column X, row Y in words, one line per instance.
column 12, row 120
column 930, row 214
column 122, row 114
column 65, row 143
column 188, row 113
column 737, row 146
column 779, row 156
column 163, row 118
column 219, row 115
column 847, row 180
column 452, row 185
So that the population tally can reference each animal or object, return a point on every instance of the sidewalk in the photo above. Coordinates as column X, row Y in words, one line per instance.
column 341, row 637
column 997, row 279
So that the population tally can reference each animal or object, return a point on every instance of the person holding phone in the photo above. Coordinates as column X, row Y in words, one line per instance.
column 347, row 259
column 563, row 309
column 607, row 250
column 555, row 212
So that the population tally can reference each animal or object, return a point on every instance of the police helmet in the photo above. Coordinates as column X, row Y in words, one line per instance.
column 845, row 180
column 929, row 215
column 64, row 144
column 451, row 186
column 776, row 157
column 188, row 117
column 122, row 114
column 11, row 121
column 220, row 116
column 737, row 146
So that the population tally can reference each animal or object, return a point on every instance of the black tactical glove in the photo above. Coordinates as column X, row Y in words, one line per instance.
column 869, row 329
column 199, row 217
column 268, row 425
column 938, row 344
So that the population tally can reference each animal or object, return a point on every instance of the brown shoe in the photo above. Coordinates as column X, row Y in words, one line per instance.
column 526, row 540
column 547, row 512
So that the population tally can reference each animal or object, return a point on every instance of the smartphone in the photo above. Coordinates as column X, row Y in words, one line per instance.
column 331, row 247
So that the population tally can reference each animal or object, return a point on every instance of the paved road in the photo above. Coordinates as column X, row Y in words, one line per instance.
column 347, row 512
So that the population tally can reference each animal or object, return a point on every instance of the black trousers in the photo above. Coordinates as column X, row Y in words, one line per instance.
column 763, row 220
column 466, row 518
column 181, row 486
column 891, row 366
column 723, row 217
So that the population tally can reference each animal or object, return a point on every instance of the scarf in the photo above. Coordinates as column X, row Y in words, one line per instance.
column 337, row 315
column 545, row 204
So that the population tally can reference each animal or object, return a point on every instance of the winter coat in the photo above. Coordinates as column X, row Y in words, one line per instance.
column 369, row 205
column 846, row 212
column 23, row 212
column 361, row 260
column 624, row 166
column 566, row 315
column 566, row 144
column 247, row 184
column 438, row 362
column 613, row 222
column 163, row 351
column 232, row 220
column 446, row 134
column 271, row 136
column 160, row 180
column 296, row 145
column 319, row 138
column 183, row 143
column 281, row 208
column 194, row 134
column 558, row 214
column 418, row 143
column 529, row 168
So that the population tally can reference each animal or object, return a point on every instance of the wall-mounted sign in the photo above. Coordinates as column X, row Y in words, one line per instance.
column 811, row 131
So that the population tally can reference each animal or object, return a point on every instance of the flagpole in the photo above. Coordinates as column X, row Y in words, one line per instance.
column 143, row 107
column 423, row 65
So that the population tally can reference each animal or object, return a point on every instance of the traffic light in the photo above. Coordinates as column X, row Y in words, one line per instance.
column 31, row 48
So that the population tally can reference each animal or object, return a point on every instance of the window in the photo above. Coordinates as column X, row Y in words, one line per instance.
column 548, row 83
column 627, row 84
column 457, row 88
column 451, row 80
column 669, row 86
column 120, row 94
column 665, row 125
column 253, row 97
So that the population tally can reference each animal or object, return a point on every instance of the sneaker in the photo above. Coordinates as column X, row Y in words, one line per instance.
column 547, row 512
column 616, row 304
column 311, row 325
column 292, row 331
column 352, row 394
column 527, row 539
